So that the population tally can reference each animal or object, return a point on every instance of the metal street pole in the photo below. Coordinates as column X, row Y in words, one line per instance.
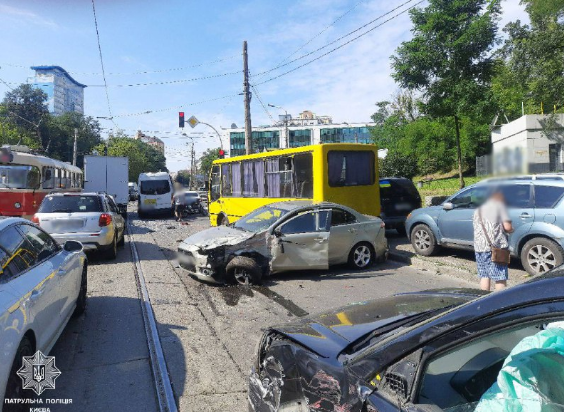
column 248, row 129
column 74, row 147
column 287, row 137
column 218, row 134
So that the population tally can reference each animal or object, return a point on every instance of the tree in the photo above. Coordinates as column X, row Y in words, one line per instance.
column 206, row 161
column 398, row 165
column 449, row 59
column 143, row 158
column 60, row 136
column 25, row 107
column 183, row 177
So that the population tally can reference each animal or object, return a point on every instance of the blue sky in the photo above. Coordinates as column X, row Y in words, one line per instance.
column 170, row 37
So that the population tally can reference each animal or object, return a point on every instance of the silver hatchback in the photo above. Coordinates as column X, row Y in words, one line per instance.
column 90, row 218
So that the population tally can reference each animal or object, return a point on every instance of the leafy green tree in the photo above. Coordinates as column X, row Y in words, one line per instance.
column 25, row 107
column 398, row 165
column 449, row 60
column 183, row 177
column 206, row 161
column 531, row 63
column 142, row 157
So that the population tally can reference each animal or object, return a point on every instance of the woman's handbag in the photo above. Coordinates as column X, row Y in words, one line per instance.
column 499, row 256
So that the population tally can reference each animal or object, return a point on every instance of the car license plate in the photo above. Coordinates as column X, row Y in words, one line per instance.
column 150, row 201
column 403, row 206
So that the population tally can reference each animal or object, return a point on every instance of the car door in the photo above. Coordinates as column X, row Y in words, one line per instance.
column 457, row 371
column 520, row 207
column 36, row 283
column 67, row 270
column 302, row 242
column 455, row 225
column 116, row 217
column 342, row 235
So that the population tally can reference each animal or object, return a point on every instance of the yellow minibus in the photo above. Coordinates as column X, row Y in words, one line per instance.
column 335, row 172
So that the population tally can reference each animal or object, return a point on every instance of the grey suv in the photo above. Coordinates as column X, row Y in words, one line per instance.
column 535, row 207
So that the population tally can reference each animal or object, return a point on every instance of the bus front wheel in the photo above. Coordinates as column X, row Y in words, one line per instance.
column 222, row 220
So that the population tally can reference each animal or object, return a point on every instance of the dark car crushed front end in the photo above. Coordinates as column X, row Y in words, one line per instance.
column 303, row 366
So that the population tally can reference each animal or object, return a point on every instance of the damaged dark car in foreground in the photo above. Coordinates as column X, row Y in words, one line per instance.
column 439, row 350
column 284, row 236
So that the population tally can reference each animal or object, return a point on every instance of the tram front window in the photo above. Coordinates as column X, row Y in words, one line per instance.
column 19, row 177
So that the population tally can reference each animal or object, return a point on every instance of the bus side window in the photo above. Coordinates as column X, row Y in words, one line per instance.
column 303, row 170
column 215, row 180
column 236, row 179
column 286, row 177
column 48, row 178
column 351, row 168
column 226, row 190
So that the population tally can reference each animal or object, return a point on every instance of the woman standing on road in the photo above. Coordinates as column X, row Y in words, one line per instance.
column 491, row 228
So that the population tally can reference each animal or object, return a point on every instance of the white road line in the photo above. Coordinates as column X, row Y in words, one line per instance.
column 158, row 363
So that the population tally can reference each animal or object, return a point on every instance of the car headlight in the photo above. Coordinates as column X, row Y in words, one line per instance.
column 17, row 205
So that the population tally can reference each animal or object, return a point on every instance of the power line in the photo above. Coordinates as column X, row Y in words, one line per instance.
column 303, row 56
column 261, row 103
column 174, row 69
column 213, row 76
column 174, row 107
column 324, row 30
column 102, row 63
column 340, row 46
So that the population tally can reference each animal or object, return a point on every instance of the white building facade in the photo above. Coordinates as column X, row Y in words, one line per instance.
column 64, row 94
column 530, row 144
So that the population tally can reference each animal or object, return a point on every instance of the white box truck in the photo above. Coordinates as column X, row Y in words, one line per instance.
column 108, row 174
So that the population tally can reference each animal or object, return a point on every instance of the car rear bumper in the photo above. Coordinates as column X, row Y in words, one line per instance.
column 90, row 241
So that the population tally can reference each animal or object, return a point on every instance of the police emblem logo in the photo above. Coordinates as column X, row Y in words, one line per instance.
column 38, row 372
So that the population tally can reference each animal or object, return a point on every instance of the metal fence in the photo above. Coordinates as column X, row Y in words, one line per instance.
column 484, row 165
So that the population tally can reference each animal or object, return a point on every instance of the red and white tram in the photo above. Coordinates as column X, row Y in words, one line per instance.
column 25, row 179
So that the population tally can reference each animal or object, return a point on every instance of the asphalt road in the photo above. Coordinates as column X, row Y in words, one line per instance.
column 209, row 333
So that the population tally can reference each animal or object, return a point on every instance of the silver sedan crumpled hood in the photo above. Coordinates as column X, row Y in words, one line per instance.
column 215, row 237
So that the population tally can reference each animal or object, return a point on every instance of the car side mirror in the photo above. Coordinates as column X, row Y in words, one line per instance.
column 277, row 232
column 72, row 246
column 448, row 206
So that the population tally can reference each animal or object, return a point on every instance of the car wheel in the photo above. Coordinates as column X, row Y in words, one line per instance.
column 81, row 301
column 361, row 256
column 539, row 255
column 14, row 386
column 122, row 239
column 401, row 230
column 244, row 271
column 423, row 240
column 111, row 253
column 223, row 220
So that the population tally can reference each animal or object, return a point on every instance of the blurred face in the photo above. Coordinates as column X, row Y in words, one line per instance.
column 498, row 196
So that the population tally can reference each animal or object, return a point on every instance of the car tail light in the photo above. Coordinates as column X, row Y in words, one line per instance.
column 105, row 219
column 382, row 224
column 35, row 219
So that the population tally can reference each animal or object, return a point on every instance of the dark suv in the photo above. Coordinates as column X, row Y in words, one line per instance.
column 398, row 197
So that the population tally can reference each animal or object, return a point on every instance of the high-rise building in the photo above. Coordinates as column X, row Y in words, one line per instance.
column 64, row 93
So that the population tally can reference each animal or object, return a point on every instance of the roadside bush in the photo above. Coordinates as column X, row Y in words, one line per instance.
column 398, row 165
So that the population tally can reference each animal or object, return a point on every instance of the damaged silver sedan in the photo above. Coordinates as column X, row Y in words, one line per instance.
column 284, row 236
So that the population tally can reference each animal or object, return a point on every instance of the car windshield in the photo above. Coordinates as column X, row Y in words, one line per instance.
column 260, row 219
column 70, row 204
column 155, row 187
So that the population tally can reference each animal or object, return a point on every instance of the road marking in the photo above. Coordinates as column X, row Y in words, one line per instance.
column 163, row 385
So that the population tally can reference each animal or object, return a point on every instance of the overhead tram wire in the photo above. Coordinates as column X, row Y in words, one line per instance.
column 213, row 76
column 340, row 46
column 102, row 64
column 303, row 56
column 262, row 103
column 324, row 30
column 137, row 72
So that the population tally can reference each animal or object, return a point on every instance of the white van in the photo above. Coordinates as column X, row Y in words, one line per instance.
column 155, row 193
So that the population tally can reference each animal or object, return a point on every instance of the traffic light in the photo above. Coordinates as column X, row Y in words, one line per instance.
column 6, row 155
column 181, row 119
column 221, row 154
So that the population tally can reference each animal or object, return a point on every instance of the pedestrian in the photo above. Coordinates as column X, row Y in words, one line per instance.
column 492, row 226
column 178, row 203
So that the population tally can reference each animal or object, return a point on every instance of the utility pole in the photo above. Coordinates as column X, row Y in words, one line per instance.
column 248, row 129
column 192, row 174
column 74, row 150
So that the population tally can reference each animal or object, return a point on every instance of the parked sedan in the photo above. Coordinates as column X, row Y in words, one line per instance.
column 427, row 351
column 93, row 219
column 41, row 286
column 294, row 235
column 535, row 206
